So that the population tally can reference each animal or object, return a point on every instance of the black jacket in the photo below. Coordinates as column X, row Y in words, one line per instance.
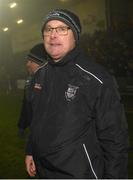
column 30, row 95
column 25, row 114
column 79, row 124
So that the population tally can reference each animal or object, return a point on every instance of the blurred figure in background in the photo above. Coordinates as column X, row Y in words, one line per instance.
column 36, row 58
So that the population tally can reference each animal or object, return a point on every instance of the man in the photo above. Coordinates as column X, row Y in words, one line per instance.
column 35, row 61
column 80, row 129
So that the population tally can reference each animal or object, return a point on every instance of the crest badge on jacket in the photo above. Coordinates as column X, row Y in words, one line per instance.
column 70, row 94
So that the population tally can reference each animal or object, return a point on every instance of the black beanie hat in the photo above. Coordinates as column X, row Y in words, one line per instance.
column 37, row 54
column 67, row 17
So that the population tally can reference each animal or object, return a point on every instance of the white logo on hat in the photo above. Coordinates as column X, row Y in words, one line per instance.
column 55, row 14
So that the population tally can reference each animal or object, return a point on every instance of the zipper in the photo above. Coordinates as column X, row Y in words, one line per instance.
column 88, row 157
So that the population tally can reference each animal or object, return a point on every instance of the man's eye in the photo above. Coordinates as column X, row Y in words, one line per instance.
column 48, row 29
column 61, row 29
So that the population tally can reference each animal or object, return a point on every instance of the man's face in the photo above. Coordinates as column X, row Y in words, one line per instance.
column 57, row 44
column 31, row 66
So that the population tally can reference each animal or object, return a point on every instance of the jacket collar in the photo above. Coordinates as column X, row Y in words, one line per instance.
column 66, row 59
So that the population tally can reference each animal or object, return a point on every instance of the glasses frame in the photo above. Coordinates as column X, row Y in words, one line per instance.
column 57, row 30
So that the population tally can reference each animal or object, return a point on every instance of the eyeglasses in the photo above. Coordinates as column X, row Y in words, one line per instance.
column 61, row 30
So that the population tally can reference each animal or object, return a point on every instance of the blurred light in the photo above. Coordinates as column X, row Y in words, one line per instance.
column 20, row 21
column 12, row 5
column 63, row 0
column 5, row 29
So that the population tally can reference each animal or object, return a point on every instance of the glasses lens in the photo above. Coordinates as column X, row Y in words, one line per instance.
column 62, row 30
column 47, row 31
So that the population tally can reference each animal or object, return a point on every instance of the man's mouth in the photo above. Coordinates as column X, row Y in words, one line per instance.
column 55, row 44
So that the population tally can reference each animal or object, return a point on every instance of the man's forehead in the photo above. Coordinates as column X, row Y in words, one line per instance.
column 55, row 22
column 29, row 60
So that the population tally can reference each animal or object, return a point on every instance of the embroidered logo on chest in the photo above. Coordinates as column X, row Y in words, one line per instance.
column 37, row 87
column 70, row 94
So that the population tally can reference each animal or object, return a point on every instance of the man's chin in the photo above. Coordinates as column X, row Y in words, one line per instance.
column 56, row 58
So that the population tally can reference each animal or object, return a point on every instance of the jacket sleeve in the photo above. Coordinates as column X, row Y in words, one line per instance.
column 28, row 148
column 22, row 118
column 26, row 110
column 112, row 132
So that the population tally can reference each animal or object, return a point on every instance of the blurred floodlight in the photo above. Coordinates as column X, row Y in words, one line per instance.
column 5, row 29
column 12, row 5
column 63, row 0
column 20, row 21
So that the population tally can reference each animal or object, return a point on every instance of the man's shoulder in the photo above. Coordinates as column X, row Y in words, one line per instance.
column 40, row 74
column 94, row 70
column 41, row 69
